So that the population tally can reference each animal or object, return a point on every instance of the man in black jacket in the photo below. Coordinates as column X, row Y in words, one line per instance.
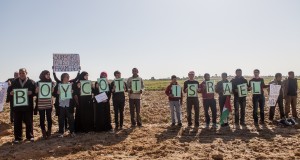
column 24, row 112
column 239, row 102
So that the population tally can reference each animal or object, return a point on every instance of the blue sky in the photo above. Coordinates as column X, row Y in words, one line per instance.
column 160, row 37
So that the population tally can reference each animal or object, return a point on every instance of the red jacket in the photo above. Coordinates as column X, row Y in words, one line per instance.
column 168, row 91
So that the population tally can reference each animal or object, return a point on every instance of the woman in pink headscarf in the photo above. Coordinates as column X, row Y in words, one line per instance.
column 102, row 110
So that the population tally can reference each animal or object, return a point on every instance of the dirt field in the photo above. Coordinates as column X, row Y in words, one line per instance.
column 157, row 140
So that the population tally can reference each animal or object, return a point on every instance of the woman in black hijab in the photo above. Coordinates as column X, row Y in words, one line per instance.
column 102, row 110
column 84, row 116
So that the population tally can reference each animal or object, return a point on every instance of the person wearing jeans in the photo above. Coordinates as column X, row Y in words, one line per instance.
column 208, row 102
column 175, row 103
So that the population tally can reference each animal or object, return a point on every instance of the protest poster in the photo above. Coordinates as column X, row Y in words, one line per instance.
column 274, row 93
column 3, row 92
column 101, row 97
column 66, row 62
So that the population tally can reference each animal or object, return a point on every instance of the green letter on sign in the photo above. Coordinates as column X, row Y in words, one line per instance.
column 45, row 90
column 227, row 89
column 242, row 89
column 210, row 87
column 65, row 91
column 86, row 88
column 192, row 90
column 136, row 86
column 119, row 85
column 103, row 85
column 256, row 87
column 20, row 97
column 176, row 90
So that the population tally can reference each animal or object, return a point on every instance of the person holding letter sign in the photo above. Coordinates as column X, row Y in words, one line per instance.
column 44, row 90
column 277, row 81
column 224, row 89
column 119, row 87
column 240, row 88
column 207, row 88
column 23, row 90
column 102, row 110
column 174, row 92
column 290, row 88
column 135, row 88
column 71, row 81
column 66, row 105
column 257, row 85
column 191, row 88
column 84, row 116
column 56, row 104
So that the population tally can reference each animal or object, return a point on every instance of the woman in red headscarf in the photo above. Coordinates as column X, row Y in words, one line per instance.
column 102, row 110
column 84, row 116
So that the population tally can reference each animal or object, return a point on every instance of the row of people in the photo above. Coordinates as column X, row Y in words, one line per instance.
column 288, row 91
column 89, row 114
column 93, row 116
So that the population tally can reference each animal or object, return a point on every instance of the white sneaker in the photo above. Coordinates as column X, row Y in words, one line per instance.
column 16, row 141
